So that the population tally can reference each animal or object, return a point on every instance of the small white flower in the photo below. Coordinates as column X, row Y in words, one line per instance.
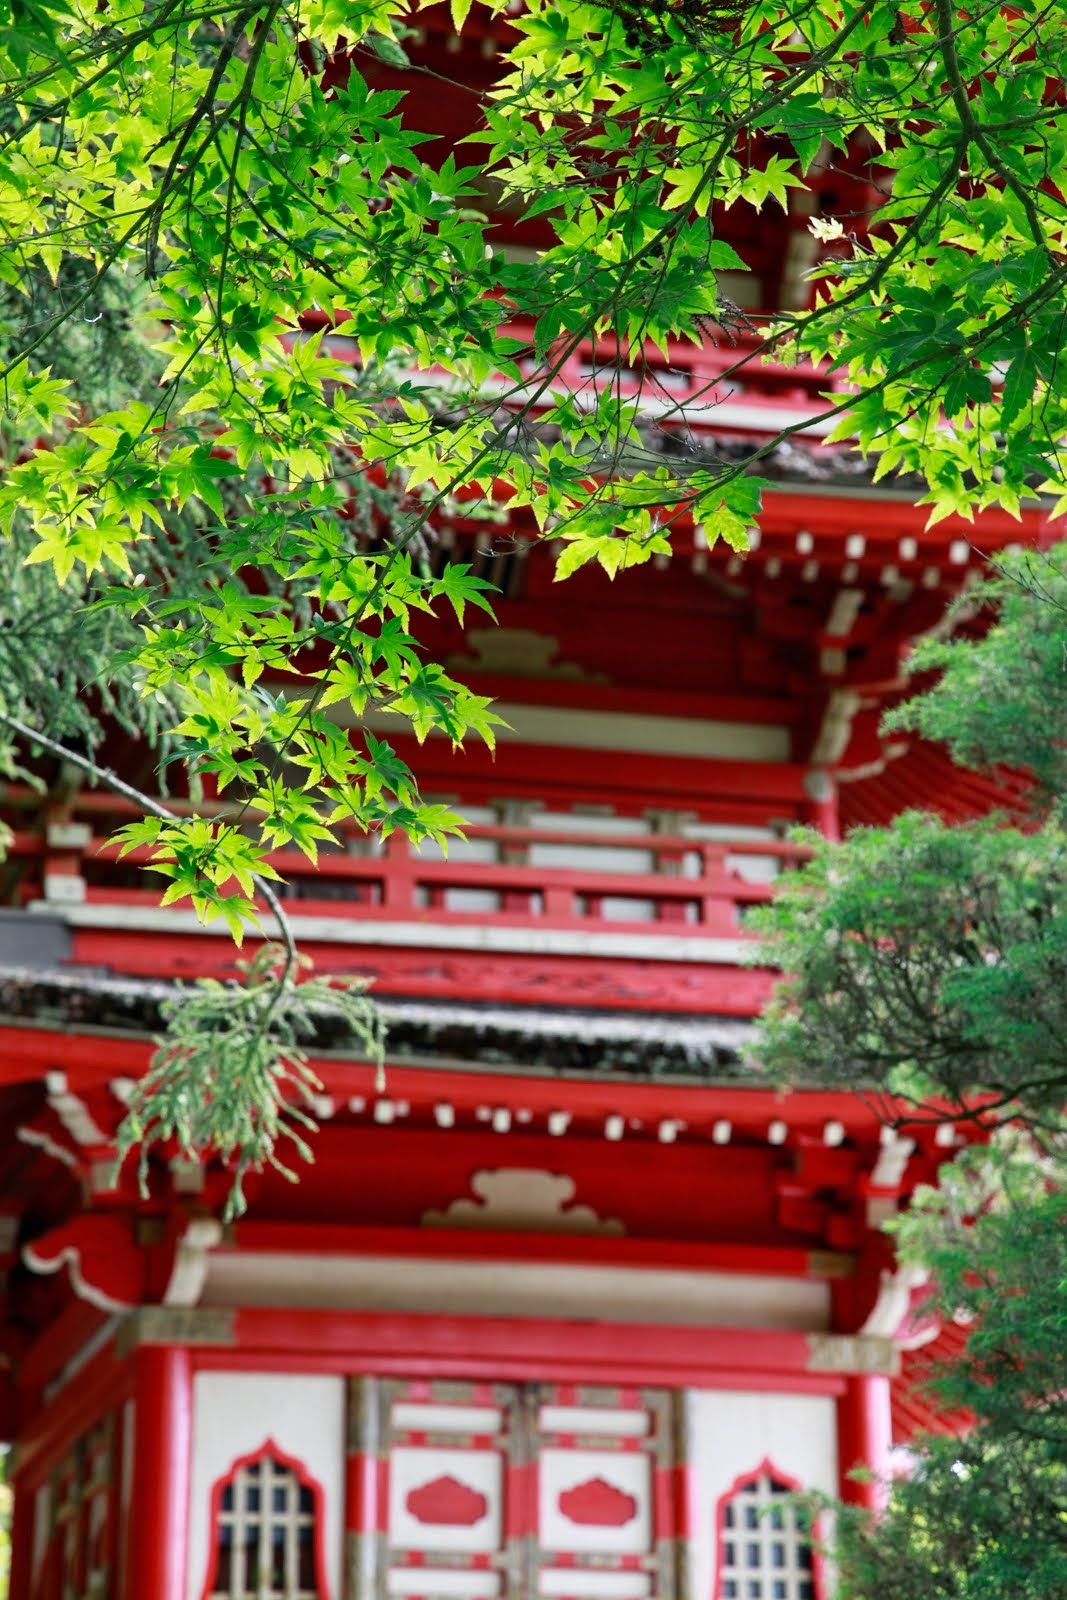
column 826, row 229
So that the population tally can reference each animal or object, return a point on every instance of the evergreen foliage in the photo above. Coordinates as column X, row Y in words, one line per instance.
column 926, row 962
column 256, row 1027
column 983, row 1516
column 1002, row 702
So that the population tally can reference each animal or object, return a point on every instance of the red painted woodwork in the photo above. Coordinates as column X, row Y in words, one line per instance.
column 438, row 1172
column 60, row 1342
column 797, row 649
column 162, row 1440
column 446, row 1502
column 562, row 1248
column 75, row 1550
column 518, row 1349
column 22, row 1518
column 597, row 1504
column 366, row 1493
column 398, row 885
column 48, row 1432
column 747, row 1107
column 106, row 1268
column 689, row 370
column 913, row 1404
column 864, row 1440
column 440, row 973
column 873, row 798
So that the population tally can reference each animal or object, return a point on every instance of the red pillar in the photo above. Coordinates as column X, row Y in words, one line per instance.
column 822, row 810
column 162, row 1436
column 864, row 1438
column 21, row 1541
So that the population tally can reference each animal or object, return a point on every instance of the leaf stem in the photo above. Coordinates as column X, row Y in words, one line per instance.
column 117, row 785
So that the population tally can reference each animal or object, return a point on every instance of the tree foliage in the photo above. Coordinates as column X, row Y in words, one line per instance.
column 1002, row 701
column 926, row 962
column 241, row 520
column 983, row 1516
column 261, row 1028
column 926, row 959
column 194, row 152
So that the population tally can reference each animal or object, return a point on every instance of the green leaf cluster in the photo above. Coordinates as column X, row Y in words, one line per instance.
column 983, row 1516
column 197, row 159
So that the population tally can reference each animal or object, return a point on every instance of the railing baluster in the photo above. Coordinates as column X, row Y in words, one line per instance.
column 513, row 850
column 670, row 861
column 718, row 905
column 398, row 874
column 558, row 902
column 397, row 884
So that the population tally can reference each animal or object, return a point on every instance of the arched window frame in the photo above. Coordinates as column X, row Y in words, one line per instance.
column 269, row 1448
column 765, row 1469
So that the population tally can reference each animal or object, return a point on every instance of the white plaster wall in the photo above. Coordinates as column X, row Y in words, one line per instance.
column 413, row 1465
column 731, row 1433
column 452, row 1285
column 753, row 869
column 621, row 730
column 236, row 1413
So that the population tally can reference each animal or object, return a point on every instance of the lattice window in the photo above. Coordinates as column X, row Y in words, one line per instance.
column 765, row 1550
column 266, row 1535
column 77, row 1564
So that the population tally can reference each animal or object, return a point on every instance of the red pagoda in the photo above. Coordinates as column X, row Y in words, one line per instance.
column 567, row 1304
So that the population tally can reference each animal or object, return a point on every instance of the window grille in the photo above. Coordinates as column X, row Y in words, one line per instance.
column 265, row 1535
column 765, row 1550
column 78, row 1564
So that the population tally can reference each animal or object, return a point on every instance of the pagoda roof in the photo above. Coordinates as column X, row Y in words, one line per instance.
column 736, row 1175
column 562, row 1041
column 919, row 774
column 82, row 1039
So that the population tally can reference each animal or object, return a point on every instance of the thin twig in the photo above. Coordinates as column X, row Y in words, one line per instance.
column 147, row 802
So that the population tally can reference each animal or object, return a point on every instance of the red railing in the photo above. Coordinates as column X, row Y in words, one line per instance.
column 724, row 386
column 674, row 883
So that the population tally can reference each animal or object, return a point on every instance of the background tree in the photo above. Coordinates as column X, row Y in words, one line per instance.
column 926, row 965
column 983, row 1516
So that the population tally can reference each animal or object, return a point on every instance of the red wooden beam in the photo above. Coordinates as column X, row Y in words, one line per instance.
column 91, row 1062
column 594, row 1250
column 519, row 1349
column 439, row 971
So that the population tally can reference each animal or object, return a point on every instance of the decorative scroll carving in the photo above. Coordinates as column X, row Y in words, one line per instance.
column 597, row 1503
column 446, row 1503
column 522, row 1198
